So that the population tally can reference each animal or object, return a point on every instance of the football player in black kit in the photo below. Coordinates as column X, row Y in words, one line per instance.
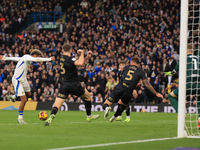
column 122, row 64
column 123, row 90
column 69, row 82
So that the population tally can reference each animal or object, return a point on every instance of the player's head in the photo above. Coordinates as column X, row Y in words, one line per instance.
column 190, row 48
column 66, row 48
column 36, row 53
column 122, row 64
column 135, row 61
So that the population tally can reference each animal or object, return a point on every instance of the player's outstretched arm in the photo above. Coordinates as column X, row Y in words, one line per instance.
column 148, row 86
column 80, row 60
column 171, row 73
column 40, row 59
column 9, row 58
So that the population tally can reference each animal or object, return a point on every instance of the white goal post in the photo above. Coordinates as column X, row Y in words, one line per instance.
column 189, row 32
column 182, row 68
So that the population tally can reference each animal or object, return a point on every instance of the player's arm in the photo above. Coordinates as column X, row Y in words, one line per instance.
column 80, row 60
column 9, row 58
column 148, row 86
column 39, row 59
column 89, row 54
column 171, row 73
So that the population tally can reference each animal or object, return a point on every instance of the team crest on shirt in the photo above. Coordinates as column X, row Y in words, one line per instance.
column 22, row 92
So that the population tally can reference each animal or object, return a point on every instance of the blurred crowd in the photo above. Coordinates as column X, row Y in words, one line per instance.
column 114, row 30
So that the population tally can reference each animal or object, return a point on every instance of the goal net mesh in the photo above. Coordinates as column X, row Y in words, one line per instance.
column 193, row 70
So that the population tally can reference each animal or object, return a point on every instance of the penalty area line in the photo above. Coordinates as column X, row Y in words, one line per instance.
column 115, row 143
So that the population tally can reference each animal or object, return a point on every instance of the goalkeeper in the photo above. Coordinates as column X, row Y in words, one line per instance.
column 191, row 80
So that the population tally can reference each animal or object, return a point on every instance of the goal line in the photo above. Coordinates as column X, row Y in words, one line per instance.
column 115, row 143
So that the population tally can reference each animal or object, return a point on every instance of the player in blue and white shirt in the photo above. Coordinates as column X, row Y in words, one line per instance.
column 19, row 79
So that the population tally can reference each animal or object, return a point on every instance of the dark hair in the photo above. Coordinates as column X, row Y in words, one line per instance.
column 66, row 47
column 135, row 60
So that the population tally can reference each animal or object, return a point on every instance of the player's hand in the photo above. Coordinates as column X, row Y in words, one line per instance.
column 159, row 95
column 80, row 51
column 89, row 54
column 52, row 58
column 170, row 73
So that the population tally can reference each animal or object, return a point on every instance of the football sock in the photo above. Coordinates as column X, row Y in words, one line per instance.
column 120, row 109
column 128, row 111
column 54, row 110
column 88, row 108
column 104, row 106
column 174, row 102
column 128, row 117
column 20, row 115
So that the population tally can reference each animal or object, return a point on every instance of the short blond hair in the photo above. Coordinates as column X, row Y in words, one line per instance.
column 36, row 52
column 190, row 47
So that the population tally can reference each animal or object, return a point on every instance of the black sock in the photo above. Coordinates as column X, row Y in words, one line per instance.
column 127, row 110
column 120, row 109
column 104, row 106
column 88, row 107
column 54, row 110
column 121, row 112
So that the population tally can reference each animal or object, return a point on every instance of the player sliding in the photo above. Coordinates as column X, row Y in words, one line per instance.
column 19, row 79
column 122, row 64
column 130, row 78
column 191, row 81
column 69, row 82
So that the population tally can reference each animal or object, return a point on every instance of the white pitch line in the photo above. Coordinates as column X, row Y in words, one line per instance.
column 53, row 123
column 1, row 124
column 109, row 144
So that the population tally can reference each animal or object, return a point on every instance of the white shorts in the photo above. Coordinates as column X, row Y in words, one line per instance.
column 20, row 87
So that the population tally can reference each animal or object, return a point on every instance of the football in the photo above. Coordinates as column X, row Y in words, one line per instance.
column 43, row 115
column 142, row 110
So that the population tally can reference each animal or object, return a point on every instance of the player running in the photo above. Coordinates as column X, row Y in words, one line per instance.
column 19, row 79
column 192, row 79
column 130, row 78
column 69, row 82
column 122, row 64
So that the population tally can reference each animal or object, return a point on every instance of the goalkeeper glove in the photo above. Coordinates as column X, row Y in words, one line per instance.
column 170, row 73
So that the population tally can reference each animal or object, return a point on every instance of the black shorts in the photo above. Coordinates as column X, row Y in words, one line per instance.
column 120, row 93
column 73, row 88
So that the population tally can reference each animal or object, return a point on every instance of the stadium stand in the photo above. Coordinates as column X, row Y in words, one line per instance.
column 113, row 29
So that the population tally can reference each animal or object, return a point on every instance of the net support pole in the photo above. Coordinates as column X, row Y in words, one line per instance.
column 182, row 68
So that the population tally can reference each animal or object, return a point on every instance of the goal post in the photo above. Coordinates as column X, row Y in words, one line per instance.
column 182, row 68
column 189, row 71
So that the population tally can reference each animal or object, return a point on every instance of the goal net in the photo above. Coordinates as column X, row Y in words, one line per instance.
column 192, row 90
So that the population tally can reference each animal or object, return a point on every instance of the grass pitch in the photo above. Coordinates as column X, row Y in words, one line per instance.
column 71, row 129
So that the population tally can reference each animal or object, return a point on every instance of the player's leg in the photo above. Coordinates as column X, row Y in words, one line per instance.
column 173, row 98
column 119, row 118
column 125, row 99
column 60, row 99
column 88, row 106
column 128, row 119
column 22, row 94
column 119, row 111
column 106, row 107
column 113, row 98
